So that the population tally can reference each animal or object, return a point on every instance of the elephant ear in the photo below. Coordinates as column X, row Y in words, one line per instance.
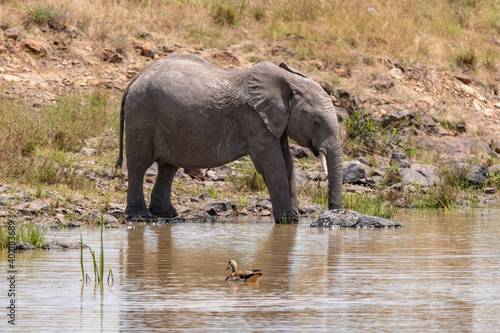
column 269, row 94
column 292, row 70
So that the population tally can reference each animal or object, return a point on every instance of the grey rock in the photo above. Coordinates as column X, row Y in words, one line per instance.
column 152, row 170
column 354, row 172
column 205, row 196
column 478, row 175
column 400, row 159
column 168, row 49
column 495, row 168
column 216, row 207
column 308, row 210
column 350, row 219
column 490, row 190
column 181, row 210
column 257, row 204
column 393, row 118
column 5, row 188
column 5, row 199
column 64, row 244
column 385, row 82
column 106, row 218
column 88, row 151
column 418, row 177
column 316, row 175
column 32, row 207
column 364, row 161
column 24, row 246
column 298, row 151
column 212, row 175
column 12, row 33
column 301, row 179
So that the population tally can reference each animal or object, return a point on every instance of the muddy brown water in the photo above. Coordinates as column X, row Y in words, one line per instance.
column 440, row 273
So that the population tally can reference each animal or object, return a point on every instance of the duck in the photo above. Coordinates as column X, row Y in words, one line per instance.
column 242, row 276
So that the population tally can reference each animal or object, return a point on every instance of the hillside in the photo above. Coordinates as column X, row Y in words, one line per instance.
column 434, row 62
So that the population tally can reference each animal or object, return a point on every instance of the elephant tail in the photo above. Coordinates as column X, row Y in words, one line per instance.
column 119, row 163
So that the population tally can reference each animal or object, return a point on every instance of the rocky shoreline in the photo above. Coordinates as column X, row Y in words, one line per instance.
column 53, row 209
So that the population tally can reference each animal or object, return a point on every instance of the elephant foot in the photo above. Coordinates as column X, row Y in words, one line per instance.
column 141, row 212
column 286, row 218
column 168, row 212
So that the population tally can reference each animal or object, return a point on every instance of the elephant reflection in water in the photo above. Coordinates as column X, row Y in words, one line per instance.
column 183, row 111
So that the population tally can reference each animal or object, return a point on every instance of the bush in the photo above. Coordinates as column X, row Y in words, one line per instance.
column 365, row 135
column 46, row 16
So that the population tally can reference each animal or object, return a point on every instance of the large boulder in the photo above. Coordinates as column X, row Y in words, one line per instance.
column 418, row 177
column 33, row 207
column 351, row 219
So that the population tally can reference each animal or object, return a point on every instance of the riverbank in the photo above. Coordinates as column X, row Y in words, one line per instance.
column 61, row 86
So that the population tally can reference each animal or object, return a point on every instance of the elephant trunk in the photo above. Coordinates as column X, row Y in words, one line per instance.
column 335, row 175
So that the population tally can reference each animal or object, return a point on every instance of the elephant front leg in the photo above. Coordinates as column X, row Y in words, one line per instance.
column 161, row 202
column 271, row 165
column 285, row 149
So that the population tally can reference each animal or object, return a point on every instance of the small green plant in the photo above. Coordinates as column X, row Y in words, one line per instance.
column 466, row 59
column 440, row 196
column 98, row 269
column 367, row 204
column 42, row 15
column 212, row 191
column 317, row 194
column 392, row 175
column 29, row 233
column 225, row 13
column 258, row 14
column 248, row 179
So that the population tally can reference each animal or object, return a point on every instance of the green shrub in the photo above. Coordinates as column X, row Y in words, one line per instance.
column 46, row 16
column 365, row 135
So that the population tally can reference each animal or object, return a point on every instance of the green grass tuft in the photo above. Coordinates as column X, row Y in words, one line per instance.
column 29, row 233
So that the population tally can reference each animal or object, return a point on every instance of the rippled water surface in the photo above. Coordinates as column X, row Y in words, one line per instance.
column 440, row 273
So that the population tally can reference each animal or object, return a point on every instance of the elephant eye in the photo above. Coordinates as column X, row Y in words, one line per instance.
column 316, row 123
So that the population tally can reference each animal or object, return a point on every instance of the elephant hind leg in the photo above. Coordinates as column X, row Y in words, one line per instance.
column 136, row 205
column 161, row 204
column 137, row 166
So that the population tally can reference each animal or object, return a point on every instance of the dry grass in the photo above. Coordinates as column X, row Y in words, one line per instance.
column 39, row 145
column 448, row 33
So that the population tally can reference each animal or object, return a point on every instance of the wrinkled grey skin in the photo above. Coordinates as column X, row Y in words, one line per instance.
column 182, row 111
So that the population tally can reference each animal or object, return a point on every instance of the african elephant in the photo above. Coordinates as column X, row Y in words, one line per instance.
column 183, row 111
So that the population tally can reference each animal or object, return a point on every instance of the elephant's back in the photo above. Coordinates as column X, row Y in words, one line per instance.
column 191, row 67
column 185, row 82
